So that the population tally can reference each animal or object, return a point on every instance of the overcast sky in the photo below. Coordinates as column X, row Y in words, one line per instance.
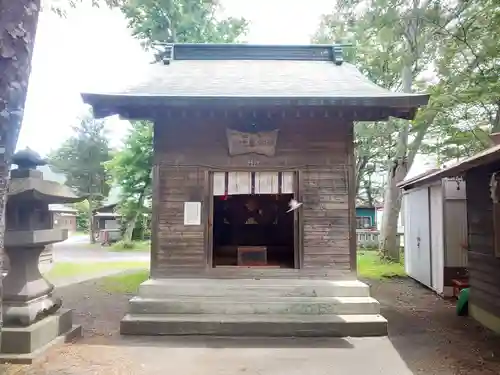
column 93, row 49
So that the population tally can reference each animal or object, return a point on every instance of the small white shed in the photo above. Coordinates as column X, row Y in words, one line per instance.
column 435, row 231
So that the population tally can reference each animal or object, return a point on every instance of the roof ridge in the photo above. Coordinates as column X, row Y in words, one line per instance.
column 168, row 52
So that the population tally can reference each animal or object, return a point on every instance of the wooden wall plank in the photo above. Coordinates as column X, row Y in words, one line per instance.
column 483, row 265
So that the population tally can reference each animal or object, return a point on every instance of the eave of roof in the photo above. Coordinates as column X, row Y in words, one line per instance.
column 487, row 156
column 61, row 208
column 418, row 177
column 107, row 214
column 248, row 75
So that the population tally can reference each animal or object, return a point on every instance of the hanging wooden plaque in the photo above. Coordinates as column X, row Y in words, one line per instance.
column 263, row 143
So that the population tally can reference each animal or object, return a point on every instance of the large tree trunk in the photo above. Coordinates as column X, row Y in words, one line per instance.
column 129, row 230
column 397, row 171
column 495, row 125
column 369, row 191
column 18, row 21
column 92, row 228
column 392, row 207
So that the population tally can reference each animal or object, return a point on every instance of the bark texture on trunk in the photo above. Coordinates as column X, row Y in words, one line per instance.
column 129, row 231
column 397, row 171
column 91, row 223
column 392, row 207
column 18, row 22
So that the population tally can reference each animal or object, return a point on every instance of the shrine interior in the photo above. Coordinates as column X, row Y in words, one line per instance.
column 253, row 231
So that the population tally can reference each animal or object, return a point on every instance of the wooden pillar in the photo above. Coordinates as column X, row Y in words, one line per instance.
column 351, row 188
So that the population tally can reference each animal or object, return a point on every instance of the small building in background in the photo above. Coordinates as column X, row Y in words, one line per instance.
column 366, row 217
column 107, row 217
column 107, row 223
column 63, row 217
column 435, row 231
column 366, row 227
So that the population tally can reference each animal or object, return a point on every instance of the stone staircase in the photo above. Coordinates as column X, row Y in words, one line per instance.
column 248, row 307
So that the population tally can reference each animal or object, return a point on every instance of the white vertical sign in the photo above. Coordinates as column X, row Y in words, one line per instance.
column 219, row 183
column 192, row 213
column 239, row 183
column 266, row 183
column 287, row 183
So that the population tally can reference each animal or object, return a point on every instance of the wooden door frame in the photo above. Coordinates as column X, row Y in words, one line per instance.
column 209, row 211
column 299, row 221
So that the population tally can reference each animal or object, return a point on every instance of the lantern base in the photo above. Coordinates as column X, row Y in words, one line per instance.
column 22, row 345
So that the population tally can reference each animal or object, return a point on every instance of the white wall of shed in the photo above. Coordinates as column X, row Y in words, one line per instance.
column 417, row 235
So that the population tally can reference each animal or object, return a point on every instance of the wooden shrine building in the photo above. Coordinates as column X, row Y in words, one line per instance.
column 240, row 131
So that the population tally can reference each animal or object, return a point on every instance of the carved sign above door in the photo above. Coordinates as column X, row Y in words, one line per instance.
column 263, row 143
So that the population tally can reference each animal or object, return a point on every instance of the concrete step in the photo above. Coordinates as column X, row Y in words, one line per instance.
column 244, row 305
column 255, row 325
column 158, row 288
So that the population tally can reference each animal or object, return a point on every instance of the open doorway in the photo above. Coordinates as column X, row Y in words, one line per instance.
column 253, row 230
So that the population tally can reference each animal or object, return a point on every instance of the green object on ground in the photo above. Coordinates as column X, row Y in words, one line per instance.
column 463, row 302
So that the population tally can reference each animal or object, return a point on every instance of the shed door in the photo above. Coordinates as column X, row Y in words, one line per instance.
column 417, row 236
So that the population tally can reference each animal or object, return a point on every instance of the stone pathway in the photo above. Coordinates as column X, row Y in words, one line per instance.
column 84, row 252
column 426, row 337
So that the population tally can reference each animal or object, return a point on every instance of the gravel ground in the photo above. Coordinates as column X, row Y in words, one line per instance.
column 428, row 334
column 425, row 335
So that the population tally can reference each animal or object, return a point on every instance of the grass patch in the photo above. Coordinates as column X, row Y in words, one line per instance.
column 66, row 270
column 131, row 246
column 125, row 283
column 371, row 266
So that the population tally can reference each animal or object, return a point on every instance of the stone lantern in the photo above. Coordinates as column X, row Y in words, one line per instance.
column 32, row 316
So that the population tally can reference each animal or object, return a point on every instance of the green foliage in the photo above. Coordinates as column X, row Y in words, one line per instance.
column 192, row 21
column 132, row 246
column 61, row 7
column 82, row 216
column 81, row 159
column 131, row 169
column 452, row 51
column 142, row 228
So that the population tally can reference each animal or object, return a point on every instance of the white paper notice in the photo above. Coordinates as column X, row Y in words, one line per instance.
column 192, row 213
